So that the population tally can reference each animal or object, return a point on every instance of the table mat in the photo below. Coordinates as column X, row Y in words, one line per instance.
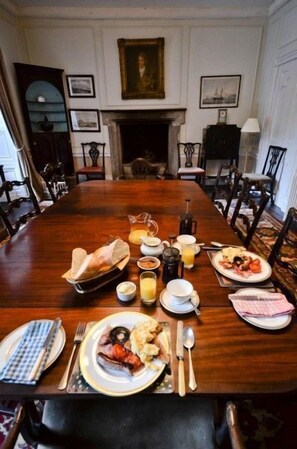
column 164, row 384
column 230, row 283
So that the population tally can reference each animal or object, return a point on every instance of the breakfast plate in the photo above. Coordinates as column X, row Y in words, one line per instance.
column 11, row 341
column 231, row 274
column 169, row 304
column 178, row 246
column 111, row 382
column 270, row 323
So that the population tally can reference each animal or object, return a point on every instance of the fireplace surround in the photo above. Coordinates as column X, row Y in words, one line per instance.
column 174, row 118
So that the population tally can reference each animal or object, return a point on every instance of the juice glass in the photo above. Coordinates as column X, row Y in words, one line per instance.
column 148, row 287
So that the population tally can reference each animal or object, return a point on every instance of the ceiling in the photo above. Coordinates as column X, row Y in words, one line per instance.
column 146, row 3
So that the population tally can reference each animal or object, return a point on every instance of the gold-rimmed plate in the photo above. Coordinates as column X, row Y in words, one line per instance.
column 111, row 382
column 231, row 274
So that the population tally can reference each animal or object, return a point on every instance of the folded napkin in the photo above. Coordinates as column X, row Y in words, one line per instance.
column 85, row 266
column 267, row 306
column 20, row 364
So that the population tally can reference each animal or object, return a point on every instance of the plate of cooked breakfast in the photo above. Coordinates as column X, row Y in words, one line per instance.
column 241, row 265
column 124, row 354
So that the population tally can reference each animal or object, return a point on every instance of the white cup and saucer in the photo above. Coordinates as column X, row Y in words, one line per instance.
column 179, row 297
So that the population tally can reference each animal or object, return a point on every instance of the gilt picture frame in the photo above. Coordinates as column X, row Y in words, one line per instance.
column 142, row 68
column 219, row 91
column 84, row 120
column 80, row 86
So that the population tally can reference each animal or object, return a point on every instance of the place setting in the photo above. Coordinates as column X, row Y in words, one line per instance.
column 235, row 267
column 263, row 309
column 113, row 361
column 26, row 352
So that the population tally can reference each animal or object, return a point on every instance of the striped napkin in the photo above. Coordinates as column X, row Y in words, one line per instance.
column 20, row 364
column 264, row 307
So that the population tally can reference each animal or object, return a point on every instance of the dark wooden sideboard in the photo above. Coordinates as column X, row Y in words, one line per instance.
column 220, row 142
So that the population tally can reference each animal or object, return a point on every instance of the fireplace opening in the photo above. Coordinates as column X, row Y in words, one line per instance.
column 148, row 140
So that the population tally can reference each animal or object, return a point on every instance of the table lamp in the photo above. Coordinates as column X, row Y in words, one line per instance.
column 251, row 126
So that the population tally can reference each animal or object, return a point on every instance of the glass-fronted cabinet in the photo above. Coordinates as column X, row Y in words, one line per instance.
column 43, row 104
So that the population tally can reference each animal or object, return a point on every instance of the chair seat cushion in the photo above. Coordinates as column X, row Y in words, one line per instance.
column 89, row 170
column 256, row 177
column 190, row 170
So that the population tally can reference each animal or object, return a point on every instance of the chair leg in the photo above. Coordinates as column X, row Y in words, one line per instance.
column 77, row 179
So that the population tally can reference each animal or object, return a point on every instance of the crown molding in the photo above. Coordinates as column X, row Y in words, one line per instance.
column 135, row 13
column 276, row 5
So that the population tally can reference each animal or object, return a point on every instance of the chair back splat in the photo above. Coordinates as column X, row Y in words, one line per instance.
column 284, row 252
column 11, row 219
column 96, row 153
column 189, row 161
column 270, row 169
column 230, row 175
column 54, row 177
column 246, row 203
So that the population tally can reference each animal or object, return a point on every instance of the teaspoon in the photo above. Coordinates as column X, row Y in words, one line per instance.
column 189, row 341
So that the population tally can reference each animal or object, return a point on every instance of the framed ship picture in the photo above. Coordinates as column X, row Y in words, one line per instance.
column 219, row 91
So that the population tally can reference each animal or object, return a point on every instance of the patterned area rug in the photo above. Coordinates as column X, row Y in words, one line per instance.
column 262, row 243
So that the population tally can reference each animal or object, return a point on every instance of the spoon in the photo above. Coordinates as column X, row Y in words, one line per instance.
column 188, row 341
column 191, row 299
column 221, row 245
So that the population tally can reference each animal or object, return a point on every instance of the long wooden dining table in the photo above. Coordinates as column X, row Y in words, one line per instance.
column 231, row 357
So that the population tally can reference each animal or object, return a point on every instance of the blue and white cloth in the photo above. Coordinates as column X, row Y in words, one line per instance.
column 20, row 364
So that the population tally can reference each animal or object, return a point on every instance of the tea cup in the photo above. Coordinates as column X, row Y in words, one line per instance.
column 180, row 290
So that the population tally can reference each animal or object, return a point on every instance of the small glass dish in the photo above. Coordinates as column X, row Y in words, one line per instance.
column 148, row 263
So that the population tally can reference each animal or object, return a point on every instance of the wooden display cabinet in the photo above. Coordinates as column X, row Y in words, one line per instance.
column 43, row 104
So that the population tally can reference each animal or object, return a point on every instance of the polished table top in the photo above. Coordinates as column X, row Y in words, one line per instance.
column 230, row 356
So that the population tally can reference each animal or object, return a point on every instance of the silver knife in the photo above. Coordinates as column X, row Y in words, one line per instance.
column 180, row 356
column 55, row 326
column 256, row 297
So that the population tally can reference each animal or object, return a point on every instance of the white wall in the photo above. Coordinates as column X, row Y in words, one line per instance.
column 278, row 100
column 193, row 49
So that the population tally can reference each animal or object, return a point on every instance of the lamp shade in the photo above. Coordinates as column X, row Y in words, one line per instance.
column 251, row 126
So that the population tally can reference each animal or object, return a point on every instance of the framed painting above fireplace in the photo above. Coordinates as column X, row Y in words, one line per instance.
column 142, row 68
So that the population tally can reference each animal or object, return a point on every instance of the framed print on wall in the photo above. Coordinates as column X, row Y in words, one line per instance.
column 219, row 91
column 142, row 68
column 84, row 120
column 80, row 86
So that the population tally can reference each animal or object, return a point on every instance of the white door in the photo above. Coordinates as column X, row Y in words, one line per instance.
column 284, row 133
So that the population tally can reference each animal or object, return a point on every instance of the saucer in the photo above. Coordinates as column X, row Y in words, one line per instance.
column 169, row 304
column 178, row 246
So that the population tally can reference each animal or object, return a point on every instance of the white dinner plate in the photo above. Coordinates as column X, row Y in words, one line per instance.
column 111, row 382
column 11, row 341
column 271, row 323
column 168, row 302
column 231, row 274
column 178, row 246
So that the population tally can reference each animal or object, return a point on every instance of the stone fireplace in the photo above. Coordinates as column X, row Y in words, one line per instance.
column 143, row 133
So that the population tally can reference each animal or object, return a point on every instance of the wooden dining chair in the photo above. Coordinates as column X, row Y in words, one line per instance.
column 54, row 177
column 189, row 161
column 270, row 169
column 133, row 422
column 10, row 213
column 248, row 210
column 284, row 255
column 96, row 155
column 226, row 191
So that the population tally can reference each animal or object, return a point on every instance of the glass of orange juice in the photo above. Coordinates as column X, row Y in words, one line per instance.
column 148, row 287
column 188, row 249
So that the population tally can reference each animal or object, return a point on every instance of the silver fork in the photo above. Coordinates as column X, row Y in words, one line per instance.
column 78, row 338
